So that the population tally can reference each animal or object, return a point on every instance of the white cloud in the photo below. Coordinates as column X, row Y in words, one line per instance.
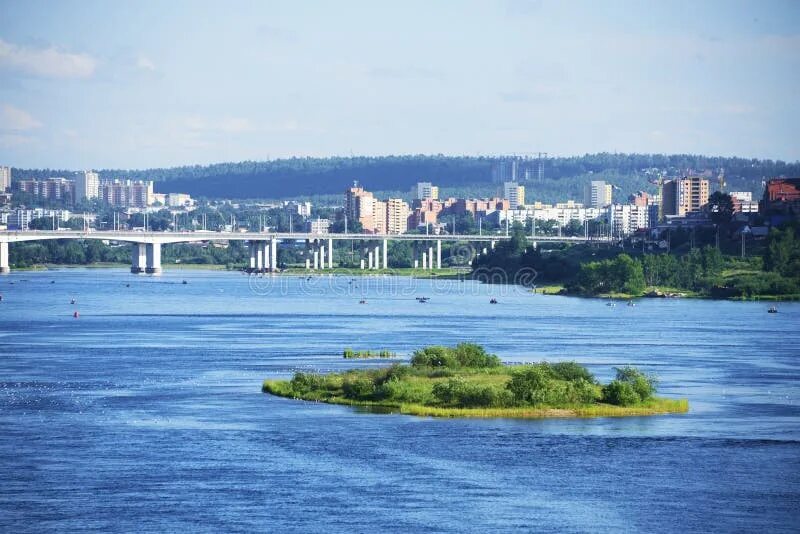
column 145, row 63
column 46, row 62
column 16, row 120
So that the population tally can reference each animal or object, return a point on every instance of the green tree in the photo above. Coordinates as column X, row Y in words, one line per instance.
column 720, row 208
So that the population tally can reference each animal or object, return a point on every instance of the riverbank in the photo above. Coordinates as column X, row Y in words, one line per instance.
column 465, row 381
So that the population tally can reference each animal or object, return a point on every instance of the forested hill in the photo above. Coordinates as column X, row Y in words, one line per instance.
column 564, row 177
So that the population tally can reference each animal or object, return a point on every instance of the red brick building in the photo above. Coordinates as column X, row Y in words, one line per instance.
column 782, row 197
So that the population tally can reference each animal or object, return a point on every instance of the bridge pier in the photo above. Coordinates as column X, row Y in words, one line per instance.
column 438, row 253
column 273, row 254
column 330, row 253
column 4, row 266
column 385, row 253
column 138, row 258
column 153, row 255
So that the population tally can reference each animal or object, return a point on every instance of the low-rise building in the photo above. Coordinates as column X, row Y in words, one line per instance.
column 296, row 208
column 318, row 226
column 182, row 200
column 782, row 197
column 20, row 219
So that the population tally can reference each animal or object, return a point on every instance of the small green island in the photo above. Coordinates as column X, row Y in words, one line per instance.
column 466, row 381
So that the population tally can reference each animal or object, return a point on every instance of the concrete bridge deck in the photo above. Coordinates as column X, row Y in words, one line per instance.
column 146, row 246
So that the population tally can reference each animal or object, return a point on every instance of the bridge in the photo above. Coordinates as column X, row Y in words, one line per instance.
column 146, row 246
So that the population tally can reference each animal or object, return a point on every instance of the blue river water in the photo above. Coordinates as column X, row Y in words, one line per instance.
column 145, row 413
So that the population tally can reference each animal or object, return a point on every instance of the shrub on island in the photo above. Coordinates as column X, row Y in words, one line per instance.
column 467, row 355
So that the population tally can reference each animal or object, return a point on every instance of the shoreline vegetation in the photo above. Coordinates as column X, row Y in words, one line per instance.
column 466, row 381
column 689, row 269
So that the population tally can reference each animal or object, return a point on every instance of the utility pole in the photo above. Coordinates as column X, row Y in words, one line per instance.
column 743, row 238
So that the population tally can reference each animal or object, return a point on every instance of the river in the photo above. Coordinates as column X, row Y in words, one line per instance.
column 146, row 412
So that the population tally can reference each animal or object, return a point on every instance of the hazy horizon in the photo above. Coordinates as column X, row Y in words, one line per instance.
column 146, row 85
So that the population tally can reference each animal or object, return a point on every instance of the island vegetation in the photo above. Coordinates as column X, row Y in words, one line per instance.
column 349, row 354
column 466, row 381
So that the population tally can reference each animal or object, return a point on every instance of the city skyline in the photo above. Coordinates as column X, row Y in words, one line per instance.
column 94, row 85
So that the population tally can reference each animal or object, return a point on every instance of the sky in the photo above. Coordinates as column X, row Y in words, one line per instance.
column 133, row 85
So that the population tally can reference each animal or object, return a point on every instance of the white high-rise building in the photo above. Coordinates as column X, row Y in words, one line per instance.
column 598, row 194
column 627, row 218
column 514, row 193
column 87, row 186
column 5, row 179
column 426, row 190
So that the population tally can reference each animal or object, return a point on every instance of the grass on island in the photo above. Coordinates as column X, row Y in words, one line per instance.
column 349, row 353
column 466, row 381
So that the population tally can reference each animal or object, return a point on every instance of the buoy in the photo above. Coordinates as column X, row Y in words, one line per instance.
column 76, row 315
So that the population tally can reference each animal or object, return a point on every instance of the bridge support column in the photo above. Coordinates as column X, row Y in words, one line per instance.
column 385, row 253
column 377, row 257
column 316, row 260
column 330, row 253
column 362, row 264
column 370, row 264
column 322, row 257
column 273, row 250
column 253, row 245
column 492, row 245
column 265, row 254
column 424, row 261
column 138, row 258
column 430, row 258
column 153, row 253
column 4, row 268
column 438, row 253
column 259, row 256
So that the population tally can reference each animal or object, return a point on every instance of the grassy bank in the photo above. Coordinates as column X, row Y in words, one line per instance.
column 465, row 381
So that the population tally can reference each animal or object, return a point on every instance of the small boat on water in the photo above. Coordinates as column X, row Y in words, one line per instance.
column 76, row 315
column 631, row 303
column 611, row 303
column 72, row 301
column 362, row 301
column 772, row 309
column 493, row 301
column 184, row 282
